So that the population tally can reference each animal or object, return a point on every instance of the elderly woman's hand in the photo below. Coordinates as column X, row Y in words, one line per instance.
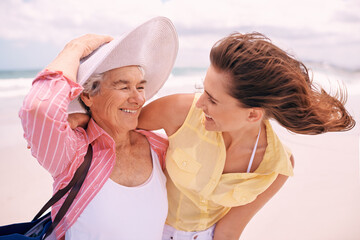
column 78, row 120
column 86, row 44
column 68, row 59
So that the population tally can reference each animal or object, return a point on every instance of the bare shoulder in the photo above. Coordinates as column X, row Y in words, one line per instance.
column 167, row 113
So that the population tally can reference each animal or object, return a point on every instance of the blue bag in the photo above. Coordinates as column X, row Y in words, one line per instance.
column 34, row 230
column 41, row 227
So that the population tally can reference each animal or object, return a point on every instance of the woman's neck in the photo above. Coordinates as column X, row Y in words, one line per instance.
column 123, row 139
column 244, row 137
column 121, row 136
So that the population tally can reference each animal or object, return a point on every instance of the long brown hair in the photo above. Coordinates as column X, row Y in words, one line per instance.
column 267, row 77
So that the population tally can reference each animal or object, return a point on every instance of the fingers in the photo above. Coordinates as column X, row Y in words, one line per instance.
column 68, row 59
column 86, row 44
column 94, row 41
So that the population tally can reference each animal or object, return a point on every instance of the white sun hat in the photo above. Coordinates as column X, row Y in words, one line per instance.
column 153, row 45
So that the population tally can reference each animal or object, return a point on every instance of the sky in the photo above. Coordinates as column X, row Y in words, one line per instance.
column 32, row 32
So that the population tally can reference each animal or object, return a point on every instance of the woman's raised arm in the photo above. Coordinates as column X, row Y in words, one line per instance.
column 44, row 110
column 68, row 60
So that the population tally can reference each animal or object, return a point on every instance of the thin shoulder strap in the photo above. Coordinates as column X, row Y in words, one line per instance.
column 254, row 151
column 74, row 185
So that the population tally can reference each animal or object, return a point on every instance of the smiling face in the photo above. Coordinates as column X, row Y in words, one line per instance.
column 222, row 111
column 118, row 104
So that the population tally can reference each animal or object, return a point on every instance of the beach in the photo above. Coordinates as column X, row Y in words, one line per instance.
column 320, row 202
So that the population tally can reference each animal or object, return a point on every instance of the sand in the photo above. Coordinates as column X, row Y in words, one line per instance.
column 322, row 200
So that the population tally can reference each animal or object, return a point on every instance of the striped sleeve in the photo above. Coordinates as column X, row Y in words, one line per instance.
column 44, row 120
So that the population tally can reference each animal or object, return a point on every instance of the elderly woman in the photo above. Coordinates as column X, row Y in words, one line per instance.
column 124, row 194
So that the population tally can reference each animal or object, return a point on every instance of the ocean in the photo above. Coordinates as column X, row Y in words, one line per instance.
column 15, row 84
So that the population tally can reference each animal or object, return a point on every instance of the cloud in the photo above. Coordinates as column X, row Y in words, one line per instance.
column 66, row 17
column 53, row 20
column 199, row 23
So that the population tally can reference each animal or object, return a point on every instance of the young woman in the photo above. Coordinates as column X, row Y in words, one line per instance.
column 224, row 161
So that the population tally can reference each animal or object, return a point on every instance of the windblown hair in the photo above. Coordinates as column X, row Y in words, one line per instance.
column 267, row 77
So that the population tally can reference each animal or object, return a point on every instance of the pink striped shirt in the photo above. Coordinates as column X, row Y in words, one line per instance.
column 61, row 150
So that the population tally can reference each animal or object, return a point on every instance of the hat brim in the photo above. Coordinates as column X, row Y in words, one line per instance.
column 153, row 45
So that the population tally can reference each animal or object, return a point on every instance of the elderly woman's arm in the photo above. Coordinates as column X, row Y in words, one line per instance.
column 44, row 111
column 68, row 60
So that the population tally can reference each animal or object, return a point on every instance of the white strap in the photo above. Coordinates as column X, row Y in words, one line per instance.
column 253, row 152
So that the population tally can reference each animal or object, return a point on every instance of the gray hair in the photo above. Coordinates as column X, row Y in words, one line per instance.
column 92, row 86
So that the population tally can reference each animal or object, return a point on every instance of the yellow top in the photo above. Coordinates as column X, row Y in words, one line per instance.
column 199, row 194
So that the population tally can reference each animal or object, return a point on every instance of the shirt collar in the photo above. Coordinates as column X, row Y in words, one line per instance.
column 277, row 156
column 94, row 131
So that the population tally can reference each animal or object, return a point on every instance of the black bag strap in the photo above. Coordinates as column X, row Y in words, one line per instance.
column 75, row 185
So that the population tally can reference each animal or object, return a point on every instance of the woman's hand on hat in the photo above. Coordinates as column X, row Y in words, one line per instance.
column 68, row 60
column 86, row 44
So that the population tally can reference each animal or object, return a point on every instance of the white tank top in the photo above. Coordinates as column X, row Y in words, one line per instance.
column 125, row 213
